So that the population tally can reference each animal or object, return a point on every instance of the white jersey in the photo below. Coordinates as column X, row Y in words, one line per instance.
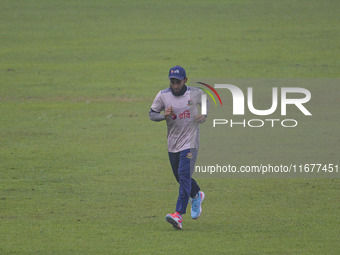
column 183, row 130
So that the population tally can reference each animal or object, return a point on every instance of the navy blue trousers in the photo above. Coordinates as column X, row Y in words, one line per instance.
column 183, row 164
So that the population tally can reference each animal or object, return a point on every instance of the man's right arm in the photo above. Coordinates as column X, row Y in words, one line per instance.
column 156, row 108
column 156, row 116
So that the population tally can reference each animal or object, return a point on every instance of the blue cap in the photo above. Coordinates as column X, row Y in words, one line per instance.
column 177, row 72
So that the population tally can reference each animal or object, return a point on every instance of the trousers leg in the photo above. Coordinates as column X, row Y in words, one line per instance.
column 182, row 164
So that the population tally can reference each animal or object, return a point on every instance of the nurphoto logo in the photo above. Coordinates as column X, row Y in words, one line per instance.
column 238, row 105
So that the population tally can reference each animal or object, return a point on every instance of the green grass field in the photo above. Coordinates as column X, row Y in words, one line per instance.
column 84, row 171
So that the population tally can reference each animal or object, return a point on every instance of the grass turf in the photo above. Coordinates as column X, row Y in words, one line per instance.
column 83, row 170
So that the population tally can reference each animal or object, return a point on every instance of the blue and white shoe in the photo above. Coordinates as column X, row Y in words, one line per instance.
column 196, row 205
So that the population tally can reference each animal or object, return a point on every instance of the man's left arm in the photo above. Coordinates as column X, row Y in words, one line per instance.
column 199, row 117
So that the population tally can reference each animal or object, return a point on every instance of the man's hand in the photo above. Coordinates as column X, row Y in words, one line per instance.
column 200, row 118
column 168, row 112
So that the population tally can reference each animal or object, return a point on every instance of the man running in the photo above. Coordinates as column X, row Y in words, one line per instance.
column 179, row 103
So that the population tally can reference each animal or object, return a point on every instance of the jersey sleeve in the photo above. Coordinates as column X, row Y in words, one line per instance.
column 199, row 97
column 158, row 104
